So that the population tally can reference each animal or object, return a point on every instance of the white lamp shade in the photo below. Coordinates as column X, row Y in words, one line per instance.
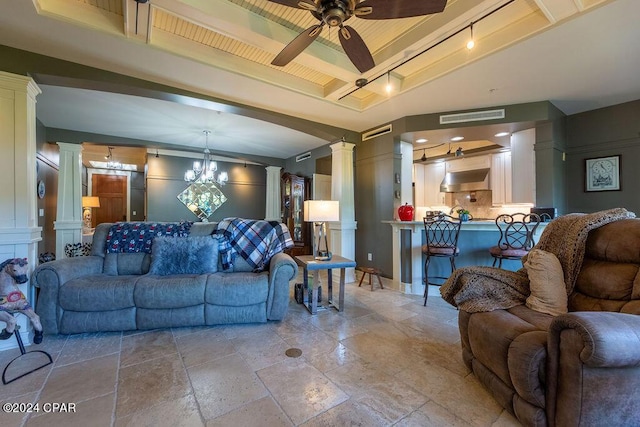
column 321, row 210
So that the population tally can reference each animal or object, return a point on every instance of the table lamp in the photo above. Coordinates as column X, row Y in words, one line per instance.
column 89, row 202
column 319, row 212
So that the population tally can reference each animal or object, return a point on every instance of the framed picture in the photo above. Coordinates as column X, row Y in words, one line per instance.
column 602, row 174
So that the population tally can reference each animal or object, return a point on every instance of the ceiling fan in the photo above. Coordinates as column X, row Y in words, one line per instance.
column 335, row 12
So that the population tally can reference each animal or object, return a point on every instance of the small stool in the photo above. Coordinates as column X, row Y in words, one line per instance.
column 371, row 271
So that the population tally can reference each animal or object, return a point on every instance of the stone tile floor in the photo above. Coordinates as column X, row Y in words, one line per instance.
column 386, row 360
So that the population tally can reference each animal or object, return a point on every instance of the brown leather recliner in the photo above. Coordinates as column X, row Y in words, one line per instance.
column 576, row 369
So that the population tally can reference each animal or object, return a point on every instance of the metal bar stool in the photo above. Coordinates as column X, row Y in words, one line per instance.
column 441, row 233
column 516, row 236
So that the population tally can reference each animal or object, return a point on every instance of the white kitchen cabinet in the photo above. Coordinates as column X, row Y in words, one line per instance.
column 501, row 175
column 524, row 166
column 433, row 176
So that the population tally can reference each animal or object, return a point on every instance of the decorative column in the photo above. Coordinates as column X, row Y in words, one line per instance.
column 19, row 231
column 272, row 210
column 343, row 232
column 68, row 223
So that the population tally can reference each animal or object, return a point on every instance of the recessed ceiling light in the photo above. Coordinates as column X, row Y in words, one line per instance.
column 421, row 140
column 500, row 134
column 457, row 138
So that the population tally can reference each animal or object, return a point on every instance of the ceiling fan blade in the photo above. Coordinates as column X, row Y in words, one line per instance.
column 356, row 49
column 297, row 45
column 391, row 9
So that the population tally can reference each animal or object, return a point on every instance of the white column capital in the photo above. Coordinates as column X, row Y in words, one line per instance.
column 68, row 146
column 342, row 146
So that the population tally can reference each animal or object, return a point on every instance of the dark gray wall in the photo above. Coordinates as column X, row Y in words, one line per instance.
column 245, row 191
column 604, row 132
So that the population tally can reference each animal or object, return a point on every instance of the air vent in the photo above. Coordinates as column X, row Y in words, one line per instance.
column 304, row 156
column 476, row 116
column 377, row 132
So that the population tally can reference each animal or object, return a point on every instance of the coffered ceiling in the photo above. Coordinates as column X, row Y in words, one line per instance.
column 578, row 54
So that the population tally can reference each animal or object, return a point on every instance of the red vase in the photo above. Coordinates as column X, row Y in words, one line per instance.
column 405, row 212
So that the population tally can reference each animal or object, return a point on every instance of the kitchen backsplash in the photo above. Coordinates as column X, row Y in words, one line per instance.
column 478, row 203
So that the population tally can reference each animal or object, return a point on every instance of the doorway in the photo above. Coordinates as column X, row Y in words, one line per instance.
column 112, row 189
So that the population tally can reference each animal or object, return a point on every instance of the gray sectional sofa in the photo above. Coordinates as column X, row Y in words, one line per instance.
column 115, row 292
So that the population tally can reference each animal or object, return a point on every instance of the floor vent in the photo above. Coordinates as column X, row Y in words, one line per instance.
column 304, row 156
column 475, row 116
column 377, row 132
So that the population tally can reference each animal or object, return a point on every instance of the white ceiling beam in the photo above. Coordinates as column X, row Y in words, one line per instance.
column 557, row 10
column 250, row 28
column 80, row 13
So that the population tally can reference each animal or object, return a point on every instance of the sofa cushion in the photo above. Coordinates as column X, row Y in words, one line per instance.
column 546, row 282
column 170, row 291
column 184, row 255
column 126, row 264
column 98, row 293
column 237, row 289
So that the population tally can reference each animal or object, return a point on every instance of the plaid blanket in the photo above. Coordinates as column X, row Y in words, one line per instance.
column 131, row 237
column 255, row 240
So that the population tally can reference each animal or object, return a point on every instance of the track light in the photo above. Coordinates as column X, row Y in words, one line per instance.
column 471, row 43
column 459, row 152
column 424, row 156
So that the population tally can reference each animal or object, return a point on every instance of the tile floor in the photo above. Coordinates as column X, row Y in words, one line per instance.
column 386, row 360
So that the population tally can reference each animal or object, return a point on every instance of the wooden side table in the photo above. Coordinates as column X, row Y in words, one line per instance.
column 308, row 263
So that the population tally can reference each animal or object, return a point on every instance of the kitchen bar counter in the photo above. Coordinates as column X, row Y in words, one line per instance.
column 474, row 241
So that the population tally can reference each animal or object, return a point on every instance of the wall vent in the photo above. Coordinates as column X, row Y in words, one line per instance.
column 472, row 117
column 377, row 132
column 304, row 156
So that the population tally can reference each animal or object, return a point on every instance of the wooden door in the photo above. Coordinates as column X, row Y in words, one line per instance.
column 112, row 190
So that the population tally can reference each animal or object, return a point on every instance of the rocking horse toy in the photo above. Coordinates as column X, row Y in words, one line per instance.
column 13, row 272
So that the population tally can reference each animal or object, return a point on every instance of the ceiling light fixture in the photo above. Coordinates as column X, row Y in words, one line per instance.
column 205, row 172
column 471, row 43
column 457, row 138
column 112, row 164
column 360, row 84
column 421, row 140
column 459, row 152
column 501, row 134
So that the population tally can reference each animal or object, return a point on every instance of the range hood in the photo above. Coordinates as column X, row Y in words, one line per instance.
column 468, row 180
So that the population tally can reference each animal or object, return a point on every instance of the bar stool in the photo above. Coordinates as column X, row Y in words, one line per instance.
column 516, row 236
column 371, row 271
column 441, row 233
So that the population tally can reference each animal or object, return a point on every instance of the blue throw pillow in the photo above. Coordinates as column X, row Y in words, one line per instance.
column 184, row 255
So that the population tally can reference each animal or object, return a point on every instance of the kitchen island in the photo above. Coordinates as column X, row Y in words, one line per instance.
column 474, row 241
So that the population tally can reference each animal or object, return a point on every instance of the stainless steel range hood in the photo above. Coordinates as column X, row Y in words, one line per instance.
column 469, row 180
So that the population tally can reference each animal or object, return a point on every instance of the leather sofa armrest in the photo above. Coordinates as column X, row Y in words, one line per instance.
column 282, row 269
column 50, row 276
column 609, row 339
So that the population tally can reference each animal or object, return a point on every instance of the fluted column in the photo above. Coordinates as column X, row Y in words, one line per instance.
column 272, row 209
column 68, row 223
column 343, row 232
column 19, row 231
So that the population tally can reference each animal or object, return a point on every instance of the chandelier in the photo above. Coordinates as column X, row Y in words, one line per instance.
column 205, row 172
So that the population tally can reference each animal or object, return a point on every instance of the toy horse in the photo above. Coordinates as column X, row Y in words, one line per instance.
column 12, row 300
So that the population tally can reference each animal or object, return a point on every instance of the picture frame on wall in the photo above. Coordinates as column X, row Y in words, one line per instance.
column 602, row 173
